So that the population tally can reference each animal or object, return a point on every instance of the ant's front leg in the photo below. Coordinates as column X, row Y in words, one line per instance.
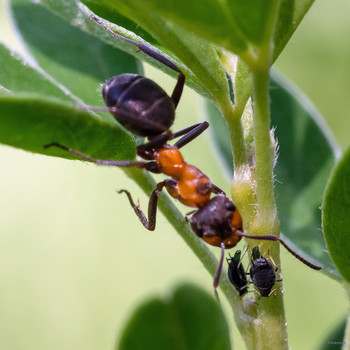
column 188, row 134
column 217, row 190
column 150, row 222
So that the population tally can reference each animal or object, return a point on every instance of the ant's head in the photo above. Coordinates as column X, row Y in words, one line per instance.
column 213, row 222
column 141, row 105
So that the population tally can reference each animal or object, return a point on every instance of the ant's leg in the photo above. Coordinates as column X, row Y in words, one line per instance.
column 194, row 131
column 219, row 268
column 275, row 266
column 176, row 95
column 190, row 133
column 149, row 223
column 275, row 289
column 189, row 214
column 272, row 261
column 277, row 239
column 145, row 150
column 188, row 129
column 120, row 163
column 184, row 131
column 216, row 190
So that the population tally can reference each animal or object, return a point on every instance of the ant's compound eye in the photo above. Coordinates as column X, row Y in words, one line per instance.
column 230, row 206
column 198, row 231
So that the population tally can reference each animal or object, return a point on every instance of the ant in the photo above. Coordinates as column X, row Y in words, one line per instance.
column 144, row 108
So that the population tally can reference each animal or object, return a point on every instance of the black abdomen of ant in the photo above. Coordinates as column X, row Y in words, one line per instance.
column 139, row 104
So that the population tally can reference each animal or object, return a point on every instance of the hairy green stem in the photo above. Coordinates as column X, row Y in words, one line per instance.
column 270, row 311
column 264, row 152
column 232, row 117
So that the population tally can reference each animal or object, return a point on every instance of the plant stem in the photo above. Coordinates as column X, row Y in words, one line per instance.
column 232, row 117
column 270, row 325
column 264, row 151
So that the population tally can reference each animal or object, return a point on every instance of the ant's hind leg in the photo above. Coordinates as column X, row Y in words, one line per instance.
column 119, row 163
column 219, row 267
column 150, row 222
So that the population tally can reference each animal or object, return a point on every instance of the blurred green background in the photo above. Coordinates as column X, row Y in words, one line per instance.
column 75, row 261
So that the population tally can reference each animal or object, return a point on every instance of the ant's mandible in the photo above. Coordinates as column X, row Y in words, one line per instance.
column 144, row 108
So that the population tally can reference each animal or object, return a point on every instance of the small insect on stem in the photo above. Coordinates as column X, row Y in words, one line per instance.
column 237, row 274
column 262, row 273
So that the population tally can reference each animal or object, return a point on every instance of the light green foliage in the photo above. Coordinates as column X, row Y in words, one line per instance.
column 336, row 218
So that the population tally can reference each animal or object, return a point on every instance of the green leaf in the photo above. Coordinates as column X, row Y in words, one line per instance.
column 78, row 61
column 290, row 15
column 4, row 91
column 335, row 335
column 189, row 319
column 234, row 25
column 18, row 76
column 199, row 59
column 29, row 122
column 335, row 215
column 307, row 153
column 114, row 16
column 185, row 43
column 208, row 19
